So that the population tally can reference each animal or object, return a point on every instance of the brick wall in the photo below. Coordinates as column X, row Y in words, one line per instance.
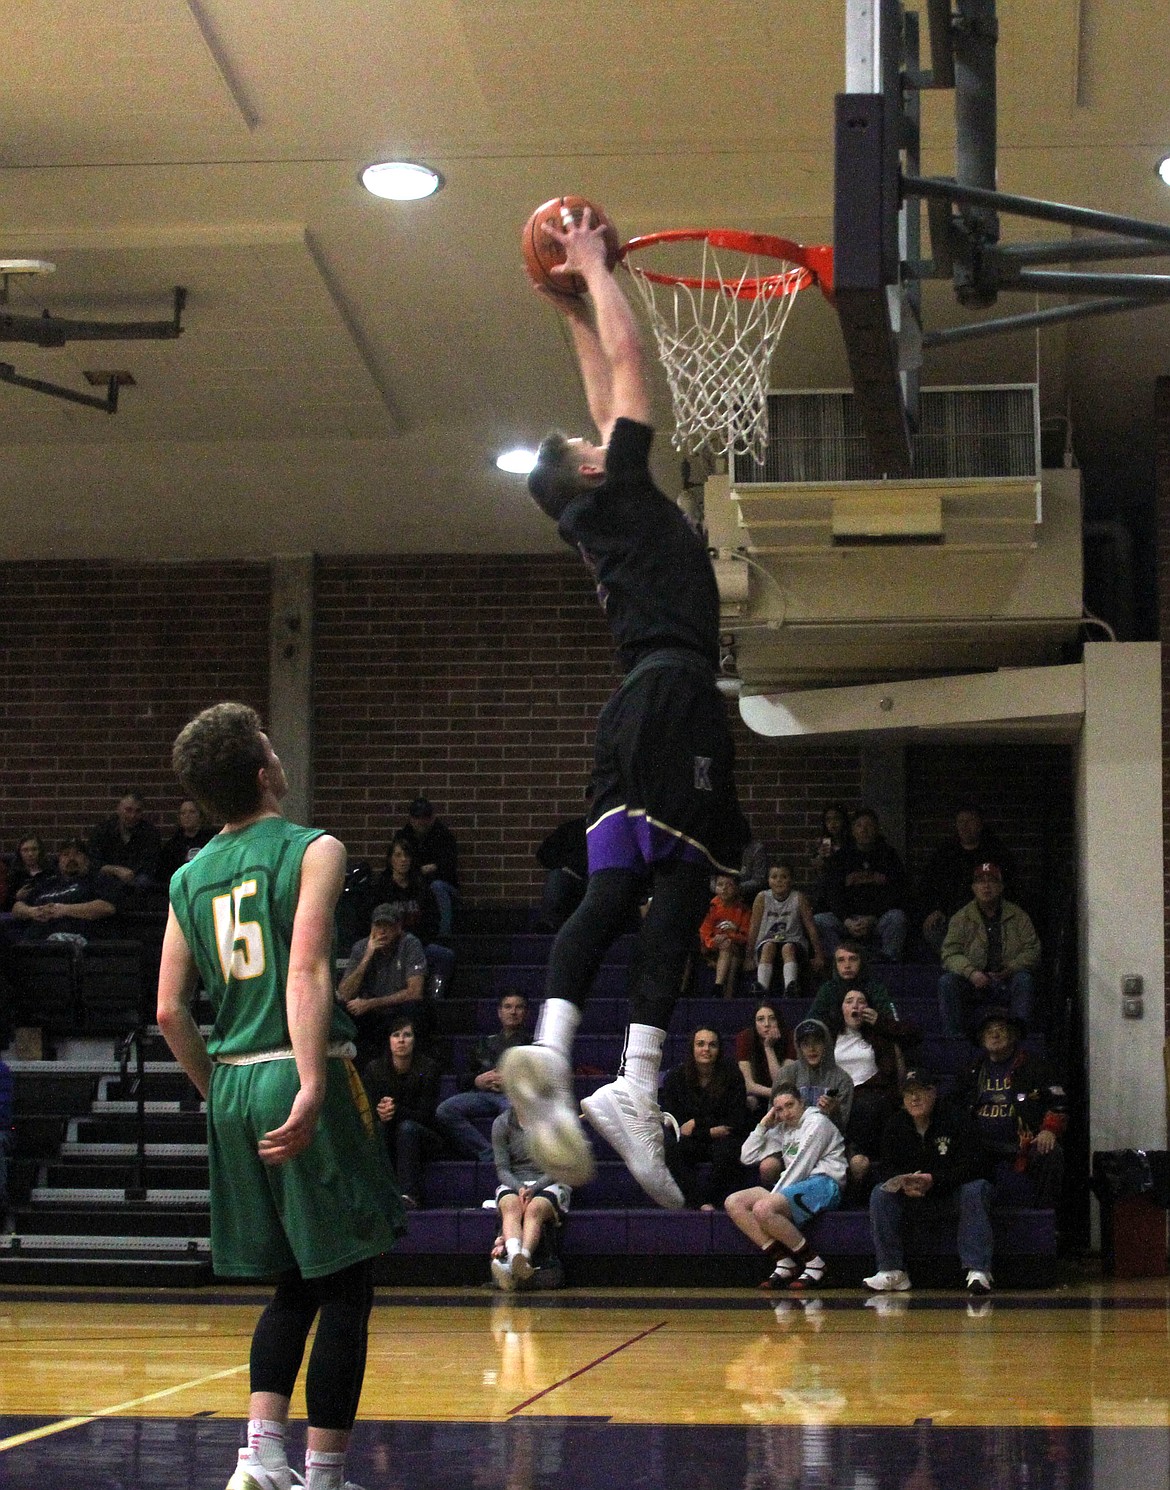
column 102, row 665
column 1025, row 793
column 476, row 680
column 1162, row 498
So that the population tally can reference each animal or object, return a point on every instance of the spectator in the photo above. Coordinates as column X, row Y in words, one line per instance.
column 481, row 1094
column 5, row 1135
column 402, row 883
column 528, row 1200
column 724, row 934
column 753, row 870
column 31, row 864
column 403, row 1088
column 760, row 1051
column 834, row 837
column 127, row 845
column 945, row 886
column 386, row 971
column 70, row 902
column 991, row 950
column 1018, row 1111
column 706, row 1106
column 926, row 1172
column 813, row 1156
column 822, row 1083
column 782, row 921
column 867, row 1045
column 850, row 970
column 865, row 892
column 563, row 857
column 437, row 856
column 185, row 842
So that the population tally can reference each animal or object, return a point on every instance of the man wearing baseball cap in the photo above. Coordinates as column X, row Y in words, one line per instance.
column 386, row 974
column 989, row 956
column 927, row 1173
column 436, row 857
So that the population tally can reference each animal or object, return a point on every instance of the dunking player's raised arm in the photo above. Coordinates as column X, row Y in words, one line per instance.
column 608, row 344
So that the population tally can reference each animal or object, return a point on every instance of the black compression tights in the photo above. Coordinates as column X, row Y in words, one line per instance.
column 680, row 896
column 337, row 1363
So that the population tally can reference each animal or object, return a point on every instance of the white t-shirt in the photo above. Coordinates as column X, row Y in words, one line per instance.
column 854, row 1052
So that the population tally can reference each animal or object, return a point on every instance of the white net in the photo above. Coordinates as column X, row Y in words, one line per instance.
column 715, row 338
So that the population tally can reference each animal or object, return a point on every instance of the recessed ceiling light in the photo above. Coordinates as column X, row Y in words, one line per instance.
column 516, row 462
column 1164, row 169
column 400, row 180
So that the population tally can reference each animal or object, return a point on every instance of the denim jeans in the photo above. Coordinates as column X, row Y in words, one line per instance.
column 455, row 1120
column 888, row 936
column 970, row 1205
column 413, row 1144
column 959, row 1001
column 445, row 895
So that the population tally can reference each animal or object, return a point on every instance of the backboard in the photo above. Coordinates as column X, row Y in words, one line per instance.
column 875, row 234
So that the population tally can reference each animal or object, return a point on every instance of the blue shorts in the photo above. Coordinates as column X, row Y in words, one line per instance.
column 808, row 1198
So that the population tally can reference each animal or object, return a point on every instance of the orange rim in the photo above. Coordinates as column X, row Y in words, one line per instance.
column 816, row 260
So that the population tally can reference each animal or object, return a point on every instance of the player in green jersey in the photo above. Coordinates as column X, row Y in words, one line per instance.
column 300, row 1186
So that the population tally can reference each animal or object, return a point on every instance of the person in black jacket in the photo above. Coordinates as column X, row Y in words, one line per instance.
column 436, row 855
column 945, row 885
column 1018, row 1112
column 403, row 1088
column 706, row 1102
column 927, row 1169
column 481, row 1092
column 865, row 892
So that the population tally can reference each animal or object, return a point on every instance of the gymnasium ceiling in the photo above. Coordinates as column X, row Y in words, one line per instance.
column 350, row 366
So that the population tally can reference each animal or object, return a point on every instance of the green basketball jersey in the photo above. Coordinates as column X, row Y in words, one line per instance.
column 235, row 903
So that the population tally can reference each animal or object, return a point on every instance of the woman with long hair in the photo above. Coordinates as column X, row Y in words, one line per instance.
column 705, row 1100
column 869, row 1047
column 760, row 1051
column 402, row 884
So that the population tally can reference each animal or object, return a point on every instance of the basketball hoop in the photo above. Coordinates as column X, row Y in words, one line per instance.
column 716, row 329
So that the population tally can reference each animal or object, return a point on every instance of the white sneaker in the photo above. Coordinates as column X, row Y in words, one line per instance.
column 522, row 1269
column 539, row 1086
column 892, row 1280
column 502, row 1277
column 631, row 1123
column 250, row 1474
column 978, row 1284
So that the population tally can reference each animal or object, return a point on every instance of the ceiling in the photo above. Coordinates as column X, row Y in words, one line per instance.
column 350, row 366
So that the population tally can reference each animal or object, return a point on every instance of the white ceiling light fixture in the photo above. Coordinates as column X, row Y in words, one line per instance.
column 401, row 180
column 517, row 462
column 1164, row 169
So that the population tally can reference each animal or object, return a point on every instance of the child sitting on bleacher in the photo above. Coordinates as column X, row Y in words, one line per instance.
column 529, row 1202
column 782, row 923
column 724, row 934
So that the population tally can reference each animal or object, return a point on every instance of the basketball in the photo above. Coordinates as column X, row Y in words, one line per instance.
column 542, row 253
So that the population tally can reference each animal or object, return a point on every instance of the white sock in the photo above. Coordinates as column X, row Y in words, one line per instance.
column 557, row 1025
column 266, row 1442
column 524, row 1252
column 324, row 1471
column 764, row 974
column 512, row 1246
column 642, row 1057
column 791, row 973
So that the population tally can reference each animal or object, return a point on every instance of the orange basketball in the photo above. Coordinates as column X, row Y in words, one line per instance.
column 542, row 253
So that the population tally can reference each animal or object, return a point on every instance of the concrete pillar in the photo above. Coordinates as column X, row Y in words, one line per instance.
column 290, row 688
column 1119, row 831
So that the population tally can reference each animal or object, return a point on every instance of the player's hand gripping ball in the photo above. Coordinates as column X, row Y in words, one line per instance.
column 542, row 253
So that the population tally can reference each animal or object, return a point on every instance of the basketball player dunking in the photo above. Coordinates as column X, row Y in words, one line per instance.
column 663, row 812
column 300, row 1186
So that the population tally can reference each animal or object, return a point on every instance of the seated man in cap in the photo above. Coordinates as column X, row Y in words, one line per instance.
column 1018, row 1113
column 386, row 971
column 436, row 857
column 927, row 1171
column 990, row 955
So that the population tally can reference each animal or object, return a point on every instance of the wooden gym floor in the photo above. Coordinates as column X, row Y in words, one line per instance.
column 928, row 1391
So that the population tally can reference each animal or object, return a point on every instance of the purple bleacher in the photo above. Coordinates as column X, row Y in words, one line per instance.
column 657, row 1233
column 596, row 1233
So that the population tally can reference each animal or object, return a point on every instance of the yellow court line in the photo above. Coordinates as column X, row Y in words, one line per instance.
column 105, row 1412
